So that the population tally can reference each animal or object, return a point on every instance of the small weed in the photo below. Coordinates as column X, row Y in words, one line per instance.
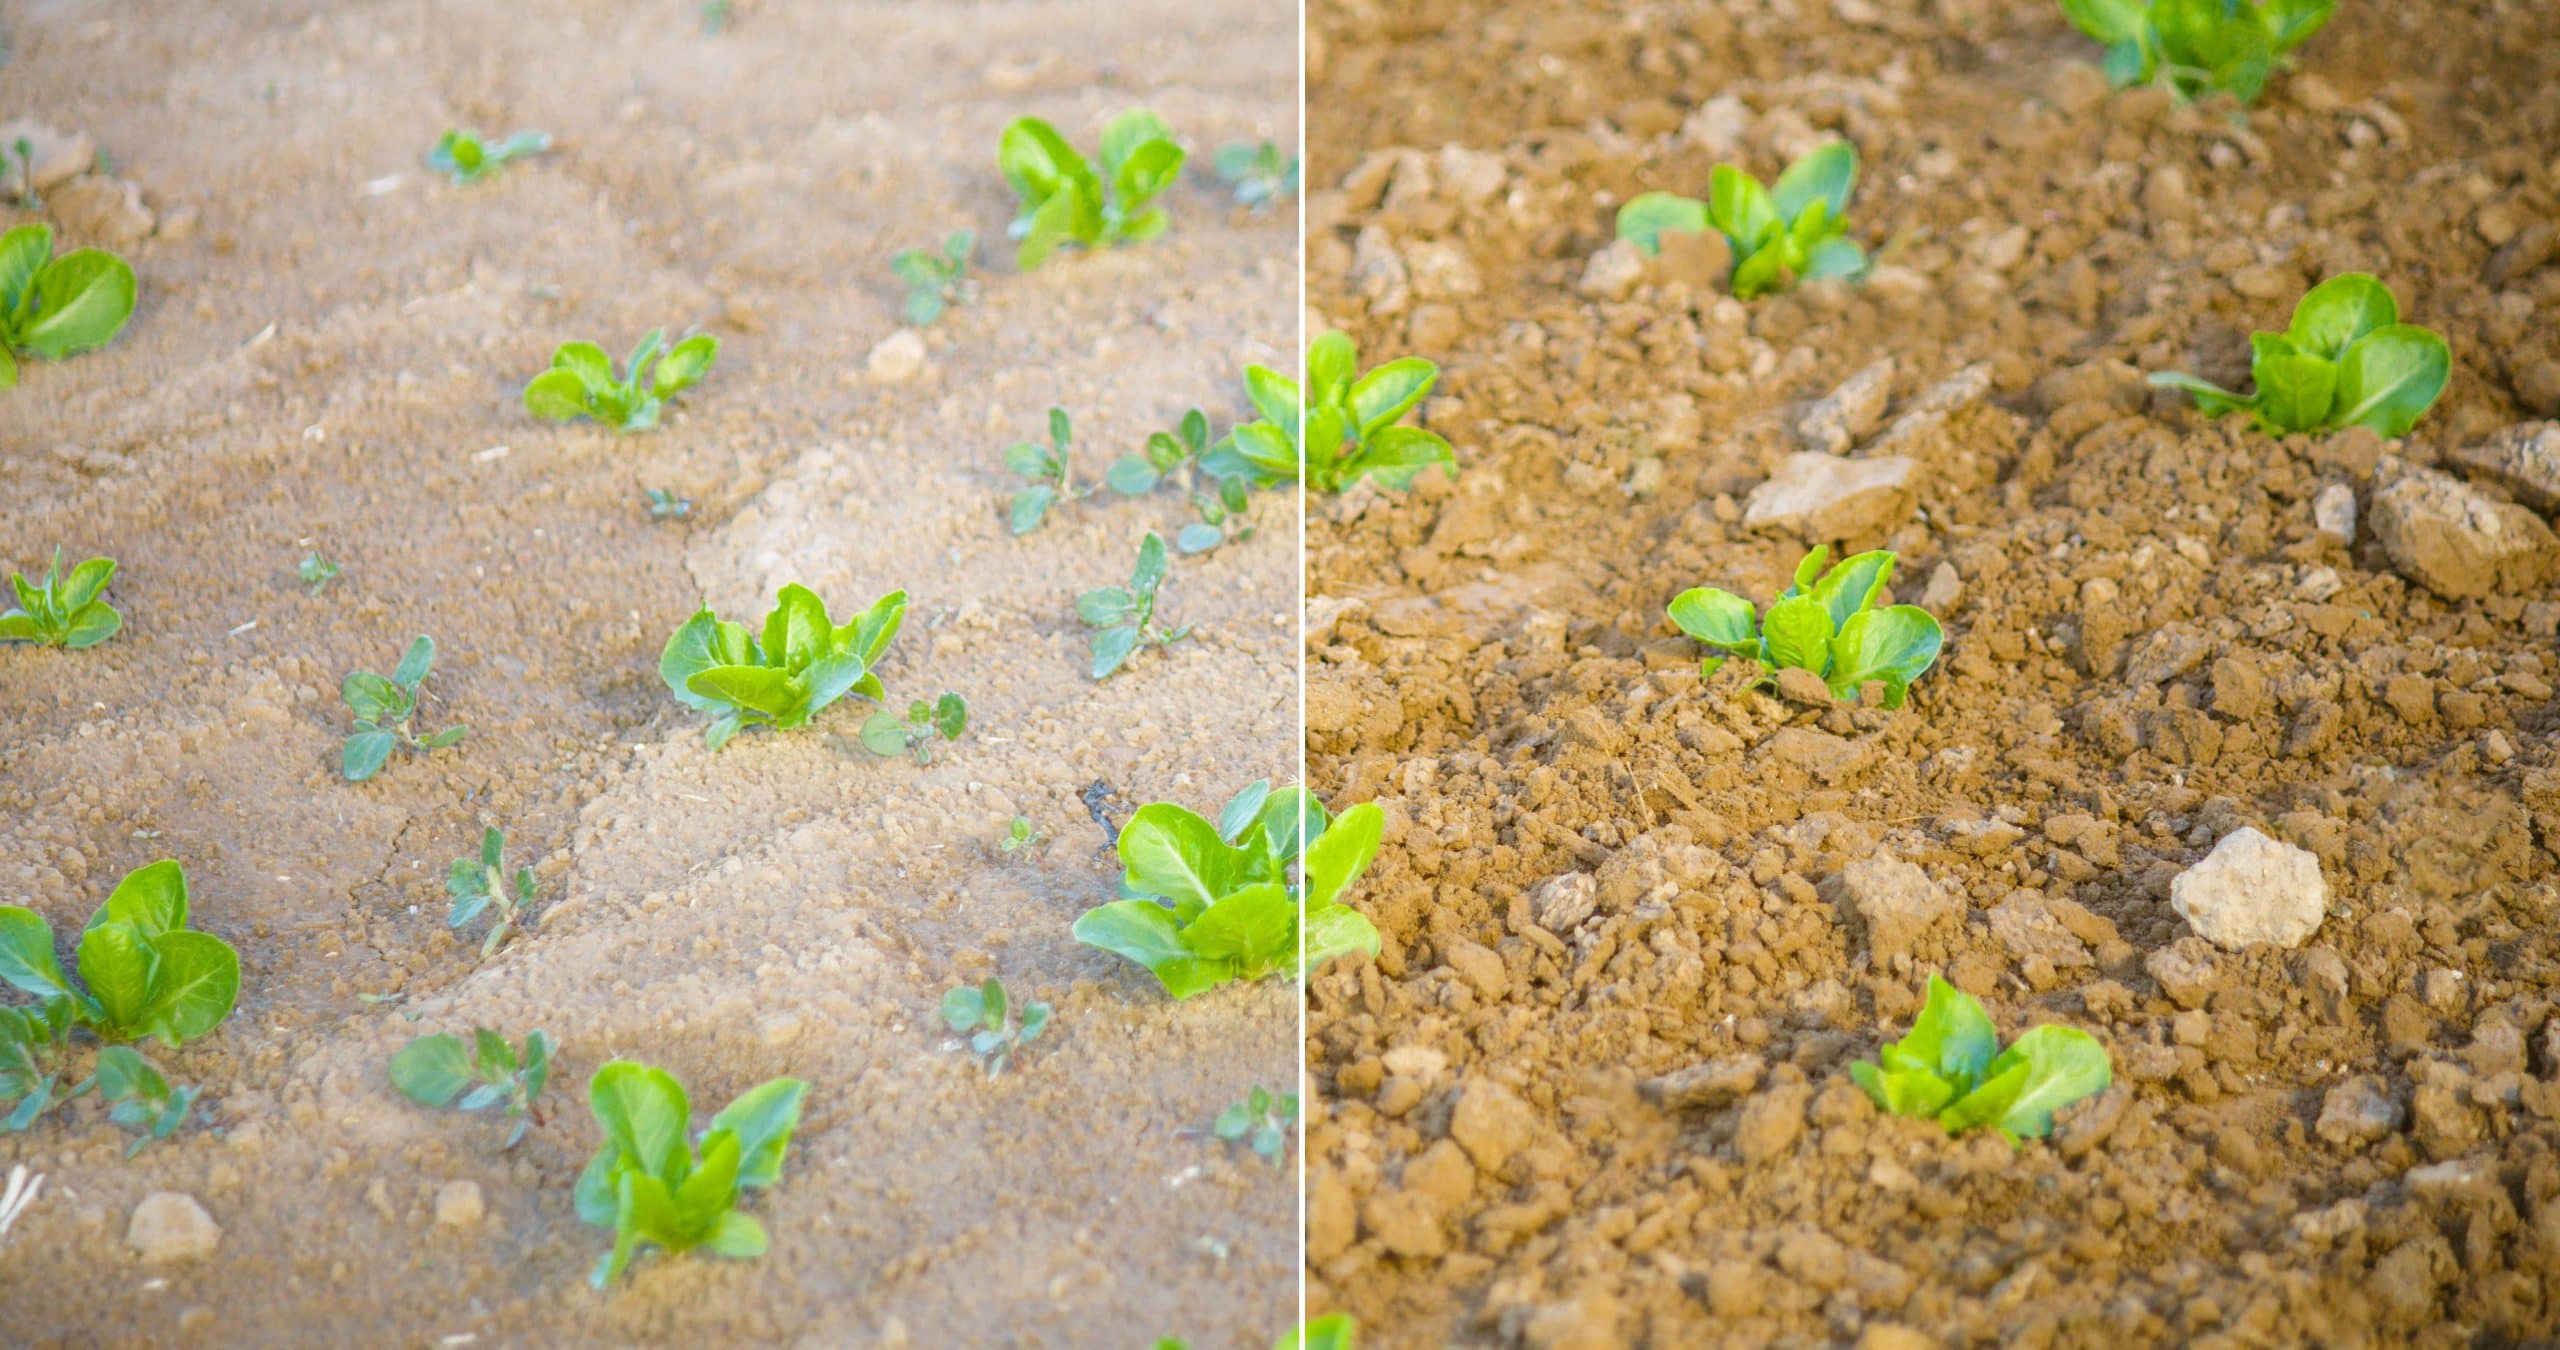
column 63, row 611
column 665, row 505
column 137, row 1097
column 384, row 708
column 1262, row 175
column 25, row 193
column 1126, row 615
column 479, row 886
column 317, row 571
column 888, row 735
column 2196, row 47
column 1048, row 471
column 1020, row 838
column 465, row 158
column 434, row 1070
column 936, row 281
column 984, row 1015
column 1263, row 1121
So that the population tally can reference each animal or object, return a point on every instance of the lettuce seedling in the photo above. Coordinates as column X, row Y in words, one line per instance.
column 936, row 281
column 30, row 1039
column 1261, row 175
column 57, row 308
column 383, row 710
column 581, row 382
column 1065, row 201
column 2347, row 361
column 1795, row 230
column 1333, row 1331
column 462, row 156
column 1020, row 838
column 1350, row 419
column 479, row 886
column 143, row 972
column 665, row 505
column 1262, row 1121
column 1208, row 904
column 63, row 611
column 316, row 572
column 651, row 1187
column 1047, row 469
column 1268, row 452
column 1126, row 615
column 986, row 1017
column 434, row 1070
column 888, row 735
column 2197, row 47
column 1950, row 1068
column 1827, row 623
column 137, row 1097
column 794, row 669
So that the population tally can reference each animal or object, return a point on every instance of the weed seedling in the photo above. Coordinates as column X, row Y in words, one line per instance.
column 1350, row 419
column 143, row 972
column 986, row 1017
column 57, row 308
column 1126, row 615
column 479, row 886
column 137, row 1097
column 1262, row 175
column 383, row 710
column 63, row 611
column 888, row 735
column 1065, row 201
column 1796, row 230
column 25, row 195
column 936, row 281
column 651, row 1187
column 1168, row 454
column 1262, row 1121
column 317, row 572
column 434, row 1070
column 1951, row 1068
column 2347, row 361
column 1020, row 838
column 1210, row 904
column 1046, row 469
column 1826, row 622
column 2196, row 47
column 665, row 505
column 801, row 663
column 465, row 158
column 581, row 382
column 30, row 1038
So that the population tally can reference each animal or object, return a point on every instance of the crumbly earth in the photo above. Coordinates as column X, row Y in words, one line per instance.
column 1602, row 871
column 332, row 359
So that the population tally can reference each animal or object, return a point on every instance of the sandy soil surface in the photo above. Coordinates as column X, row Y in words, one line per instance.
column 1600, row 873
column 331, row 357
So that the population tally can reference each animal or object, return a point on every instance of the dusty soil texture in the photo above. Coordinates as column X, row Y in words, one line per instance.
column 1600, row 874
column 332, row 358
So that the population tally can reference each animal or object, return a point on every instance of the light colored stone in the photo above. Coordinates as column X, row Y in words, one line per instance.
column 2524, row 459
column 458, row 1205
column 2252, row 889
column 897, row 358
column 2333, row 513
column 1471, row 177
column 55, row 156
column 2458, row 541
column 1822, row 498
column 1898, row 904
column 1442, row 271
column 96, row 209
column 1714, row 1083
column 1836, row 422
column 2357, row 1112
column 171, row 1226
column 1562, row 903
column 1613, row 272
column 1492, row 1123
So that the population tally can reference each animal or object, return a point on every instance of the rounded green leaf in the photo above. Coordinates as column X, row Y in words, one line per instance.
column 116, row 964
column 1197, row 538
column 588, row 362
column 798, row 631
column 1112, row 648
column 431, row 1070
column 1340, row 854
column 153, row 898
column 688, row 653
column 2109, row 21
column 1717, row 618
column 2332, row 315
column 736, row 1235
column 1762, row 272
column 1169, row 851
column 1853, row 585
column 1254, row 927
column 556, row 396
column 2389, row 379
column 194, row 986
column 364, row 755
column 90, row 625
column 1389, row 392
column 963, row 1008
column 86, row 583
column 763, row 1117
column 1395, row 456
column 1335, row 930
column 643, row 1112
column 1130, row 476
column 1826, row 175
column 1333, row 362
column 2064, row 1064
column 27, row 961
column 82, row 301
column 1149, row 170
column 1834, row 257
column 1126, row 134
column 23, row 252
column 1029, row 506
column 415, row 663
column 1036, row 160
column 685, row 366
column 1105, row 606
column 1648, row 216
column 1798, row 634
column 1896, row 644
column 1740, row 207
column 883, row 734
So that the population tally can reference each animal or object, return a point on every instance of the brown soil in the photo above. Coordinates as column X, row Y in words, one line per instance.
column 1599, row 872
column 332, row 359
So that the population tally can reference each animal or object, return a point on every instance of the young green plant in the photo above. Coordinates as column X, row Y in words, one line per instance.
column 888, row 735
column 1262, row 175
column 56, row 307
column 1125, row 616
column 25, row 192
column 465, row 158
column 798, row 665
column 480, row 886
column 316, row 571
column 1047, row 471
column 651, row 1187
column 143, row 972
column 2347, row 361
column 1349, row 426
column 30, row 1042
column 2196, row 47
column 1065, row 201
column 1263, row 1121
column 137, row 1096
column 383, row 710
column 665, row 505
column 936, row 281
column 984, row 1015
column 1951, row 1069
column 1826, row 622
column 1257, row 893
column 1794, row 231
column 581, row 382
column 63, row 611
column 1020, row 837
column 439, row 1069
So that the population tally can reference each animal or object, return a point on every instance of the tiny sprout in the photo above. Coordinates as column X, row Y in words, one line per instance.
column 1020, row 838
column 888, row 735
column 665, row 505
column 984, row 1015
column 479, row 886
column 1262, row 175
column 465, row 158
column 936, row 282
column 1126, row 615
column 317, row 571
column 1262, row 1120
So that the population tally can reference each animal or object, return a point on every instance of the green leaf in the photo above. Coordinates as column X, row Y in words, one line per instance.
column 1762, row 272
column 1825, row 175
column 1275, row 396
column 432, row 1070
column 1335, row 930
column 761, row 689
column 798, row 632
column 8, row 376
column 1112, row 648
column 1148, row 933
column 1030, row 505
column 1917, row 1093
column 1952, row 1037
column 597, row 1191
column 689, row 653
column 884, row 735
column 1037, row 161
column 951, row 716
column 1396, row 455
column 588, row 362
column 195, row 985
column 27, row 960
column 2332, row 315
column 2211, row 399
column 963, row 1009
column 153, row 898
column 2236, row 50
column 1239, row 813
column 644, row 1115
column 90, row 625
column 2389, row 379
column 1896, row 644
column 117, row 964
column 1130, row 476
column 763, row 1117
column 2064, row 1064
column 1105, row 606
column 364, row 755
column 1166, row 850
column 2107, row 20
column 1389, row 392
column 1125, row 135
column 2294, row 390
column 372, row 698
column 1197, row 538
column 1835, row 257
column 415, row 663
column 85, row 584
column 23, row 252
column 1798, row 632
column 1717, row 618
column 1987, row 1102
column 83, row 299
column 1853, row 585
column 2129, row 62
column 1254, row 928
column 1333, row 361
column 2292, row 22
column 556, row 396
column 1149, row 170
column 1338, row 856
column 1741, row 208
column 1650, row 215
column 736, row 1235
column 713, row 1186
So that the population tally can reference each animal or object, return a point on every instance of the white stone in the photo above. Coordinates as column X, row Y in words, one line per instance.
column 1849, row 412
column 458, row 1204
column 898, row 358
column 2333, row 513
column 1823, row 498
column 1613, row 271
column 171, row 1226
column 2252, row 889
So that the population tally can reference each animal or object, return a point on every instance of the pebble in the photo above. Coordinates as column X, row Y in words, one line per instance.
column 1562, row 903
column 108, row 210
column 896, row 358
column 1492, row 1123
column 458, row 1205
column 2333, row 514
column 1820, row 497
column 1771, row 1123
column 1613, row 272
column 2252, row 889
column 2458, row 541
column 1836, row 422
column 1714, row 1083
column 171, row 1226
column 1898, row 904
column 2524, row 459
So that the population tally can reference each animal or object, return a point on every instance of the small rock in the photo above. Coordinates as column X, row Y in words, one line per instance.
column 1821, row 498
column 2252, row 889
column 1471, row 177
column 96, row 207
column 1799, row 685
column 1944, row 592
column 896, row 358
column 171, row 1226
column 2357, row 1112
column 1849, row 412
column 2185, row 972
column 2524, row 459
column 1479, row 967
column 1613, row 272
column 2459, row 542
column 1897, row 903
column 1562, row 903
column 1442, row 271
column 2333, row 514
column 1406, row 1223
column 55, row 156
column 458, row 1205
column 1492, row 1123
column 1771, row 1123
column 1713, row 1083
